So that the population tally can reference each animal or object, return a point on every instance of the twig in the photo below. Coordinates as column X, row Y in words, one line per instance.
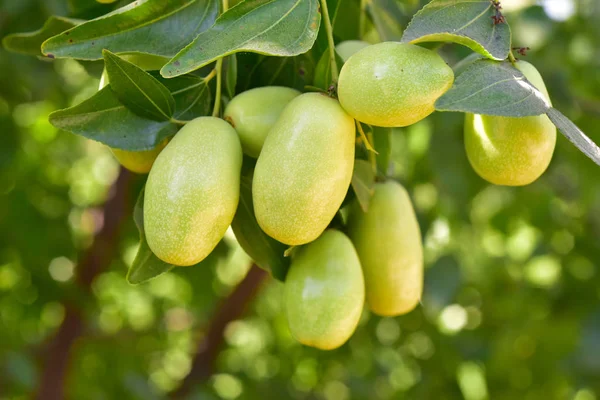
column 329, row 30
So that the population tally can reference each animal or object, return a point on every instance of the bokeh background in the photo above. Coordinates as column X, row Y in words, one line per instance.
column 511, row 307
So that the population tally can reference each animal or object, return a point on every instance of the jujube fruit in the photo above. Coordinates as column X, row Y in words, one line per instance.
column 393, row 84
column 192, row 191
column 348, row 48
column 511, row 151
column 254, row 112
column 388, row 242
column 304, row 170
column 324, row 291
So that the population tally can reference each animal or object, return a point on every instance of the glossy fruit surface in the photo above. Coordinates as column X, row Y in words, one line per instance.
column 192, row 191
column 324, row 291
column 348, row 48
column 254, row 112
column 388, row 241
column 304, row 170
column 393, row 84
column 511, row 151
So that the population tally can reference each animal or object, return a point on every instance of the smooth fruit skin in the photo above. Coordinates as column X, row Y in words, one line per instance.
column 139, row 162
column 192, row 191
column 348, row 48
column 324, row 291
column 388, row 241
column 304, row 170
column 393, row 84
column 511, row 151
column 254, row 112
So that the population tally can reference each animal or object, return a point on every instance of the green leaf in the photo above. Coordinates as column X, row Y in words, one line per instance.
column 266, row 252
column 145, row 265
column 154, row 26
column 257, row 70
column 30, row 43
column 271, row 27
column 138, row 90
column 382, row 142
column 231, row 72
column 363, row 182
column 493, row 88
column 386, row 16
column 467, row 22
column 323, row 77
column 103, row 118
column 575, row 135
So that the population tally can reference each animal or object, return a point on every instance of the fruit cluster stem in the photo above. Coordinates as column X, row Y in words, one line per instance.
column 219, row 71
column 329, row 31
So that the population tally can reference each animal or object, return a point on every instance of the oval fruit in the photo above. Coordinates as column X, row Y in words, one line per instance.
column 507, row 150
column 348, row 48
column 138, row 161
column 324, row 292
column 254, row 112
column 304, row 170
column 192, row 191
column 388, row 242
column 393, row 84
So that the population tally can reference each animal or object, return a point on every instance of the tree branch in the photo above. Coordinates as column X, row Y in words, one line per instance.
column 96, row 258
column 231, row 308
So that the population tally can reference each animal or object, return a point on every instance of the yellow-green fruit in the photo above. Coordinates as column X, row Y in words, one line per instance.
column 324, row 292
column 138, row 161
column 393, row 84
column 193, row 191
column 511, row 151
column 304, row 170
column 388, row 241
column 254, row 112
column 348, row 48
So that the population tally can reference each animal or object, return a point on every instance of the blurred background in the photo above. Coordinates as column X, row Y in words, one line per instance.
column 511, row 307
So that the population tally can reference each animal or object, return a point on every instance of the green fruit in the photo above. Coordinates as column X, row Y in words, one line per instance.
column 393, row 84
column 254, row 112
column 511, row 151
column 192, row 191
column 348, row 48
column 388, row 241
column 324, row 292
column 138, row 161
column 304, row 169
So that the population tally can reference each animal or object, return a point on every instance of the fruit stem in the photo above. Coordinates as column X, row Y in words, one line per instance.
column 364, row 138
column 219, row 72
column 363, row 18
column 209, row 77
column 512, row 58
column 329, row 30
column 178, row 121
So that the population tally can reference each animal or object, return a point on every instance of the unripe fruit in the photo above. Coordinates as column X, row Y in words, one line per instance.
column 254, row 112
column 324, row 292
column 511, row 151
column 304, row 170
column 138, row 161
column 393, row 84
column 388, row 241
column 192, row 191
column 348, row 48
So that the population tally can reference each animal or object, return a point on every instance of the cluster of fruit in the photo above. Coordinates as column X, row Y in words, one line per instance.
column 305, row 149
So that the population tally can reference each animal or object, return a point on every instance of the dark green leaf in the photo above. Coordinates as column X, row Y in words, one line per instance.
column 467, row 22
column 575, row 135
column 138, row 90
column 386, row 16
column 264, row 250
column 231, row 72
column 256, row 70
column 493, row 88
column 145, row 265
column 30, row 43
column 323, row 77
column 104, row 119
column 272, row 27
column 363, row 181
column 153, row 26
column 382, row 142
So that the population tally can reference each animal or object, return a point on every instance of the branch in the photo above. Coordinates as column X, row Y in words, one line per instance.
column 231, row 308
column 93, row 262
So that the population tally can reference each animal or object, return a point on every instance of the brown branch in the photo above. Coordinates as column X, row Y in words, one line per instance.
column 96, row 258
column 231, row 308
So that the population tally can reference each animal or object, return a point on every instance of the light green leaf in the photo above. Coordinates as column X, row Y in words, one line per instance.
column 575, row 135
column 146, row 26
column 363, row 182
column 138, row 90
column 323, row 78
column 386, row 16
column 467, row 22
column 271, row 27
column 103, row 118
column 231, row 72
column 493, row 88
column 30, row 43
